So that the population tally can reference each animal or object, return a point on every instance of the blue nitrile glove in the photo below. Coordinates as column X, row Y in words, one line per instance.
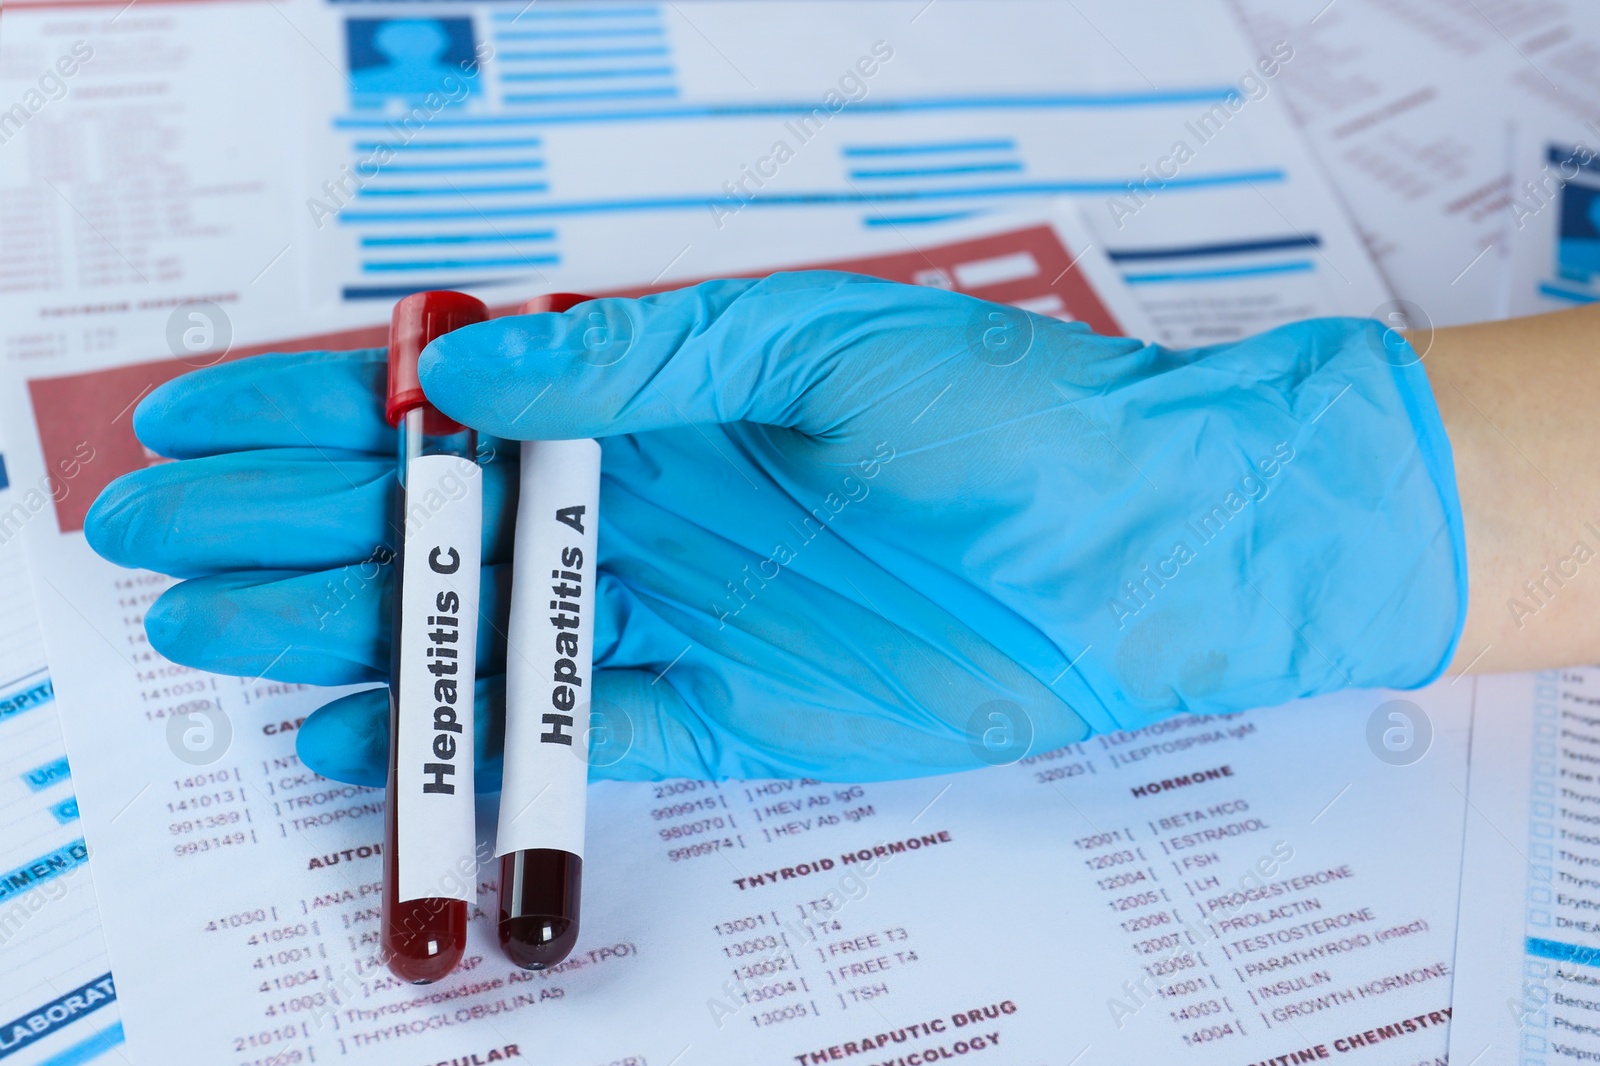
column 850, row 529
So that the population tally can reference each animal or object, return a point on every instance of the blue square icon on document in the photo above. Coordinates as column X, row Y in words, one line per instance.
column 1578, row 238
column 411, row 62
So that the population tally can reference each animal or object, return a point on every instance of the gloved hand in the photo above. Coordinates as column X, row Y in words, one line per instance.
column 851, row 529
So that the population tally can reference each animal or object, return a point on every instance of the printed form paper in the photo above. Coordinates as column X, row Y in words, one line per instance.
column 1554, row 224
column 1528, row 949
column 895, row 114
column 655, row 137
column 57, row 998
column 1227, row 889
column 1205, row 888
column 1555, row 231
column 1405, row 106
column 1443, row 124
column 1539, row 60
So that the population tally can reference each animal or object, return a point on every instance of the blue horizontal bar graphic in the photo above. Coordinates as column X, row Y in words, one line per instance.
column 586, row 75
column 699, row 203
column 51, row 773
column 1297, row 267
column 936, row 172
column 458, row 238
column 45, row 868
column 455, row 190
column 34, row 695
column 543, row 12
column 394, row 292
column 514, row 142
column 1556, row 292
column 1188, row 251
column 862, row 150
column 743, row 110
column 1558, row 951
column 612, row 94
column 47, row 1019
column 88, row 1050
column 452, row 168
column 558, row 35
column 1556, row 154
column 581, row 53
column 917, row 220
column 66, row 811
column 464, row 264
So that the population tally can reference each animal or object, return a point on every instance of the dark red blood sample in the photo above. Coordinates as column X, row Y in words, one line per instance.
column 539, row 896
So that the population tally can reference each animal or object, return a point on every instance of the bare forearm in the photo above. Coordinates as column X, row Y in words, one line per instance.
column 1521, row 403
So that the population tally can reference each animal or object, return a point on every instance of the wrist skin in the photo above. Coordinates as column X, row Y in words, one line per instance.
column 1520, row 400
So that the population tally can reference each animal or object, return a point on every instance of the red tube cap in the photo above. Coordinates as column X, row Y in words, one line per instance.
column 418, row 319
column 555, row 301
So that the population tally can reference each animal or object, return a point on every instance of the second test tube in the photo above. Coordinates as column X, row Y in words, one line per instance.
column 549, row 685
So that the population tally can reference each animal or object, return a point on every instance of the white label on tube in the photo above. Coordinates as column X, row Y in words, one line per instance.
column 438, row 643
column 549, row 662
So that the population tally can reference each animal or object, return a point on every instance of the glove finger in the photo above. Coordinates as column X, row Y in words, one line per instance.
column 328, row 400
column 803, row 350
column 278, row 509
column 324, row 628
column 348, row 739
